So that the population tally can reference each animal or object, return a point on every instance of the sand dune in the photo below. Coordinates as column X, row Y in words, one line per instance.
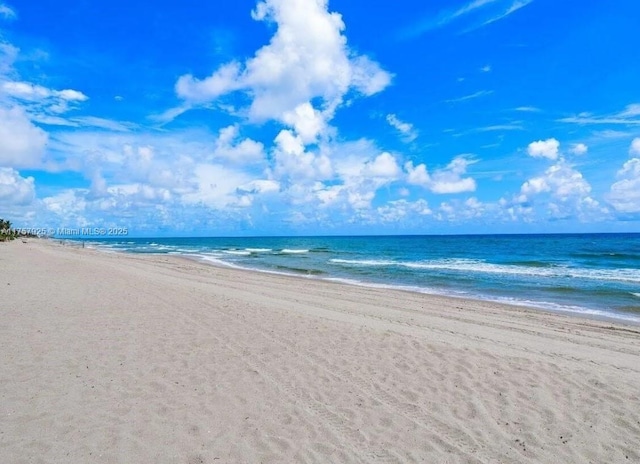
column 110, row 358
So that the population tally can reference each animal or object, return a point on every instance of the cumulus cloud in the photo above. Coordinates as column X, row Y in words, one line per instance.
column 222, row 81
column 230, row 148
column 458, row 210
column 295, row 163
column 561, row 179
column 624, row 194
column 565, row 191
column 139, row 194
column 403, row 210
column 359, row 171
column 447, row 180
column 544, row 149
column 21, row 143
column 307, row 121
column 306, row 59
column 409, row 134
column 216, row 186
column 634, row 149
column 579, row 149
column 15, row 190
column 383, row 166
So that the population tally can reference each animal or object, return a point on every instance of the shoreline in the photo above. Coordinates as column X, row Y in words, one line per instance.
column 582, row 313
column 614, row 317
column 113, row 357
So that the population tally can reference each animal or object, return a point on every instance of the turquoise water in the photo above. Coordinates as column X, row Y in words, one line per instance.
column 593, row 274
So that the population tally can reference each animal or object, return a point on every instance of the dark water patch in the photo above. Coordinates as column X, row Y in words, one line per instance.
column 631, row 309
column 531, row 263
column 607, row 255
column 320, row 250
column 300, row 270
column 564, row 290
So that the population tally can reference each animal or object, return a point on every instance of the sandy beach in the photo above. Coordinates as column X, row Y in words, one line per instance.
column 114, row 358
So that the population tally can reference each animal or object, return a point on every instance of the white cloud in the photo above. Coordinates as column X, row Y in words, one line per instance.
column 630, row 111
column 294, row 163
column 486, row 68
column 368, row 77
column 216, row 186
column 139, row 194
column 450, row 180
column 403, row 210
column 481, row 93
column 468, row 8
column 457, row 210
column 567, row 193
column 15, row 190
column 102, row 123
column 447, row 180
column 630, row 116
column 21, row 143
column 358, row 173
column 417, row 175
column 409, row 134
column 500, row 128
column 248, row 192
column 567, row 182
column 68, row 203
column 42, row 104
column 222, row 81
column 515, row 6
column 307, row 58
column 579, row 149
column 8, row 55
column 244, row 151
column 444, row 18
column 544, row 149
column 32, row 92
column 308, row 122
column 383, row 166
column 534, row 186
column 609, row 134
column 7, row 12
column 25, row 91
column 527, row 109
column 624, row 195
column 260, row 186
column 70, row 95
column 634, row 149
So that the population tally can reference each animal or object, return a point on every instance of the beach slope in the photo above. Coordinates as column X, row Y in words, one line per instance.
column 113, row 358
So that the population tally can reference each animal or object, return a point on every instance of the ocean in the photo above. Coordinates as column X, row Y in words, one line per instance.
column 597, row 275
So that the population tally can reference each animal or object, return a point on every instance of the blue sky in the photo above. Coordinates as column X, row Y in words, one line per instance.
column 314, row 117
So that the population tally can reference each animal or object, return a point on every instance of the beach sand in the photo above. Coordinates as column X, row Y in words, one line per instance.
column 113, row 358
